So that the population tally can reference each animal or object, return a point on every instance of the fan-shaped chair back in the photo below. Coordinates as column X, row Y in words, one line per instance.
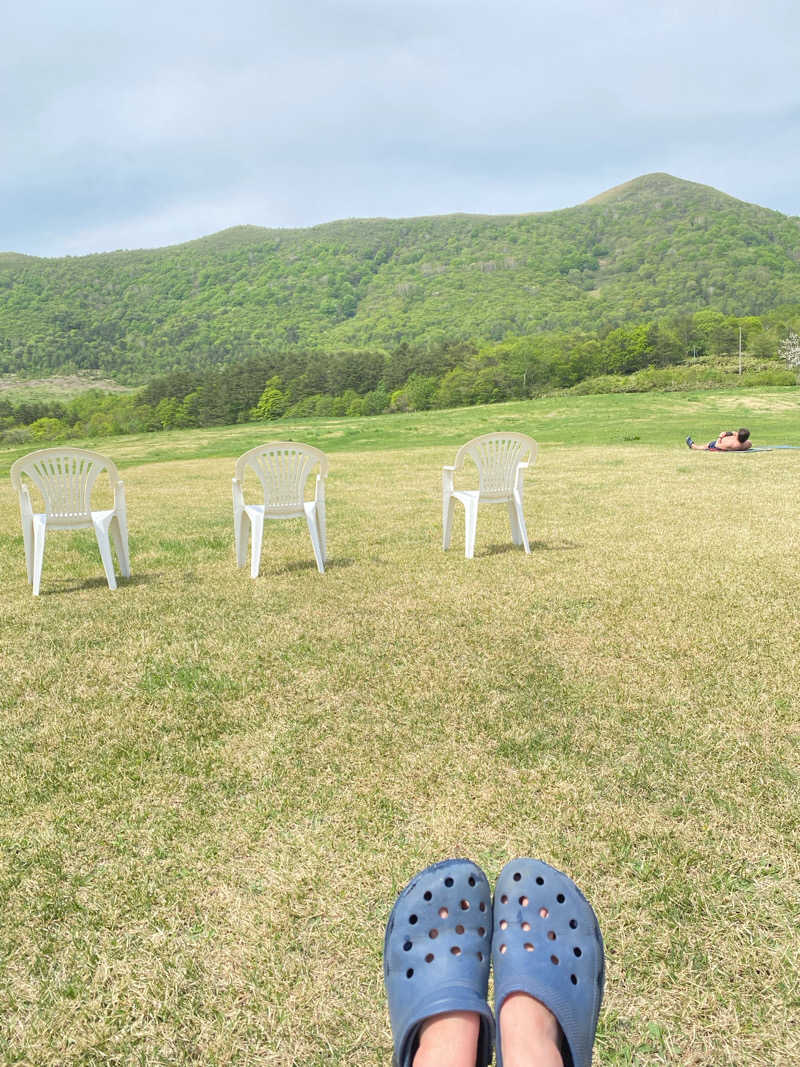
column 497, row 457
column 283, row 468
column 65, row 477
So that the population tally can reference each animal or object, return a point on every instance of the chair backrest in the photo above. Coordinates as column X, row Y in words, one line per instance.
column 497, row 457
column 283, row 468
column 65, row 477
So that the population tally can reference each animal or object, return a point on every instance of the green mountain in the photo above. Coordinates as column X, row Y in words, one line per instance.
column 655, row 246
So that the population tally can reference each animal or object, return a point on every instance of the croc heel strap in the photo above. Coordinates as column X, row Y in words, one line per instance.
column 547, row 943
column 436, row 954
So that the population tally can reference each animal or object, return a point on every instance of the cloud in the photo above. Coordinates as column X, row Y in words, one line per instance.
column 126, row 114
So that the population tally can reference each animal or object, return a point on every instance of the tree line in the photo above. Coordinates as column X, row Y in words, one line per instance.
column 657, row 354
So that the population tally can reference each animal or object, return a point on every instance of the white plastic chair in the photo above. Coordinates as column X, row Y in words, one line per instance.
column 283, row 468
column 500, row 458
column 65, row 478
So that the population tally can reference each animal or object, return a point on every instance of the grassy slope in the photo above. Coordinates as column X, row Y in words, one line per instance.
column 215, row 787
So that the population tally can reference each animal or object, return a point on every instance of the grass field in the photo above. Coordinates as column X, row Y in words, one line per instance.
column 214, row 787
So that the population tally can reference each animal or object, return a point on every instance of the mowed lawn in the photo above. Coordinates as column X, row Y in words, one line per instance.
column 213, row 787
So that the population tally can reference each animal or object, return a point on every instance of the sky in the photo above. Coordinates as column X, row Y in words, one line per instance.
column 137, row 124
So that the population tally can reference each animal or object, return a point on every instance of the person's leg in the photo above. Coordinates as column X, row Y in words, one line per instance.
column 449, row 1040
column 529, row 1032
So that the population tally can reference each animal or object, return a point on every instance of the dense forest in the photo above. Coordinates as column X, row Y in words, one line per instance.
column 338, row 308
column 299, row 382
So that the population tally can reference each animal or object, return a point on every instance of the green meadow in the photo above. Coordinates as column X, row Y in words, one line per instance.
column 214, row 787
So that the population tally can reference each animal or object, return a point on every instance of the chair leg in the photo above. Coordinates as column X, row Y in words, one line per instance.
column 521, row 523
column 516, row 535
column 311, row 519
column 448, row 506
column 39, row 531
column 322, row 527
column 27, row 538
column 256, row 537
column 104, row 544
column 119, row 535
column 240, row 530
column 470, row 528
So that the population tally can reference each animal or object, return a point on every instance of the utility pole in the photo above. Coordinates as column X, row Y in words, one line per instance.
column 740, row 350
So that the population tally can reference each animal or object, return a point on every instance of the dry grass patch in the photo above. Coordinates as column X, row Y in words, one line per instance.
column 216, row 786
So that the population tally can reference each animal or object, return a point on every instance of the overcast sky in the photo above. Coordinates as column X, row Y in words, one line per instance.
column 135, row 123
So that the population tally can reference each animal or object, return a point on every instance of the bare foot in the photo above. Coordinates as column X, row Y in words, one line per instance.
column 530, row 1035
column 449, row 1040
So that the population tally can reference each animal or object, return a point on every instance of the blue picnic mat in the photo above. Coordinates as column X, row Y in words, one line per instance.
column 766, row 448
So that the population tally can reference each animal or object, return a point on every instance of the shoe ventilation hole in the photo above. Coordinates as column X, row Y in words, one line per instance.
column 503, row 948
column 471, row 880
column 481, row 931
column 517, row 876
column 427, row 894
column 554, row 959
column 464, row 905
column 455, row 951
column 410, row 972
column 503, row 924
column 429, row 958
column 544, row 912
column 504, row 899
column 540, row 880
column 448, row 882
column 551, row 935
column 433, row 934
column 523, row 902
column 528, row 946
column 561, row 898
column 577, row 951
column 443, row 913
column 459, row 929
column 482, row 906
column 526, row 927
column 407, row 946
column 573, row 924
column 574, row 979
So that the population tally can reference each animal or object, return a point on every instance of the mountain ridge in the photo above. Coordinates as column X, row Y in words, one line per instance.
column 651, row 247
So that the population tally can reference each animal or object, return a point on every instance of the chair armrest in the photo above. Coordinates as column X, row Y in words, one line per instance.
column 319, row 488
column 448, row 479
column 238, row 495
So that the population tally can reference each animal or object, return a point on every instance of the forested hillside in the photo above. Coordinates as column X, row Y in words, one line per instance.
column 654, row 247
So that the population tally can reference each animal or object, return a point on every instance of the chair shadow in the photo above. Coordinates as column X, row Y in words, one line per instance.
column 57, row 586
column 300, row 566
column 535, row 546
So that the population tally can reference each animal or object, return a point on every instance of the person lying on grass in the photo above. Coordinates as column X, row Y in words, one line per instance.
column 728, row 441
column 542, row 939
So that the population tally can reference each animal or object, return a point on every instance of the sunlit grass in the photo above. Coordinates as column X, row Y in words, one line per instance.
column 214, row 787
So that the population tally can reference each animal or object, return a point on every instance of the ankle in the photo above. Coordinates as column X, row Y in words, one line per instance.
column 448, row 1040
column 530, row 1034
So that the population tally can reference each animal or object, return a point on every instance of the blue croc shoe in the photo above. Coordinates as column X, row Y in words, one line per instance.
column 436, row 954
column 547, row 943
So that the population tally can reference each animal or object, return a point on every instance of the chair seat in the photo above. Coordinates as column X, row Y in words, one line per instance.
column 307, row 508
